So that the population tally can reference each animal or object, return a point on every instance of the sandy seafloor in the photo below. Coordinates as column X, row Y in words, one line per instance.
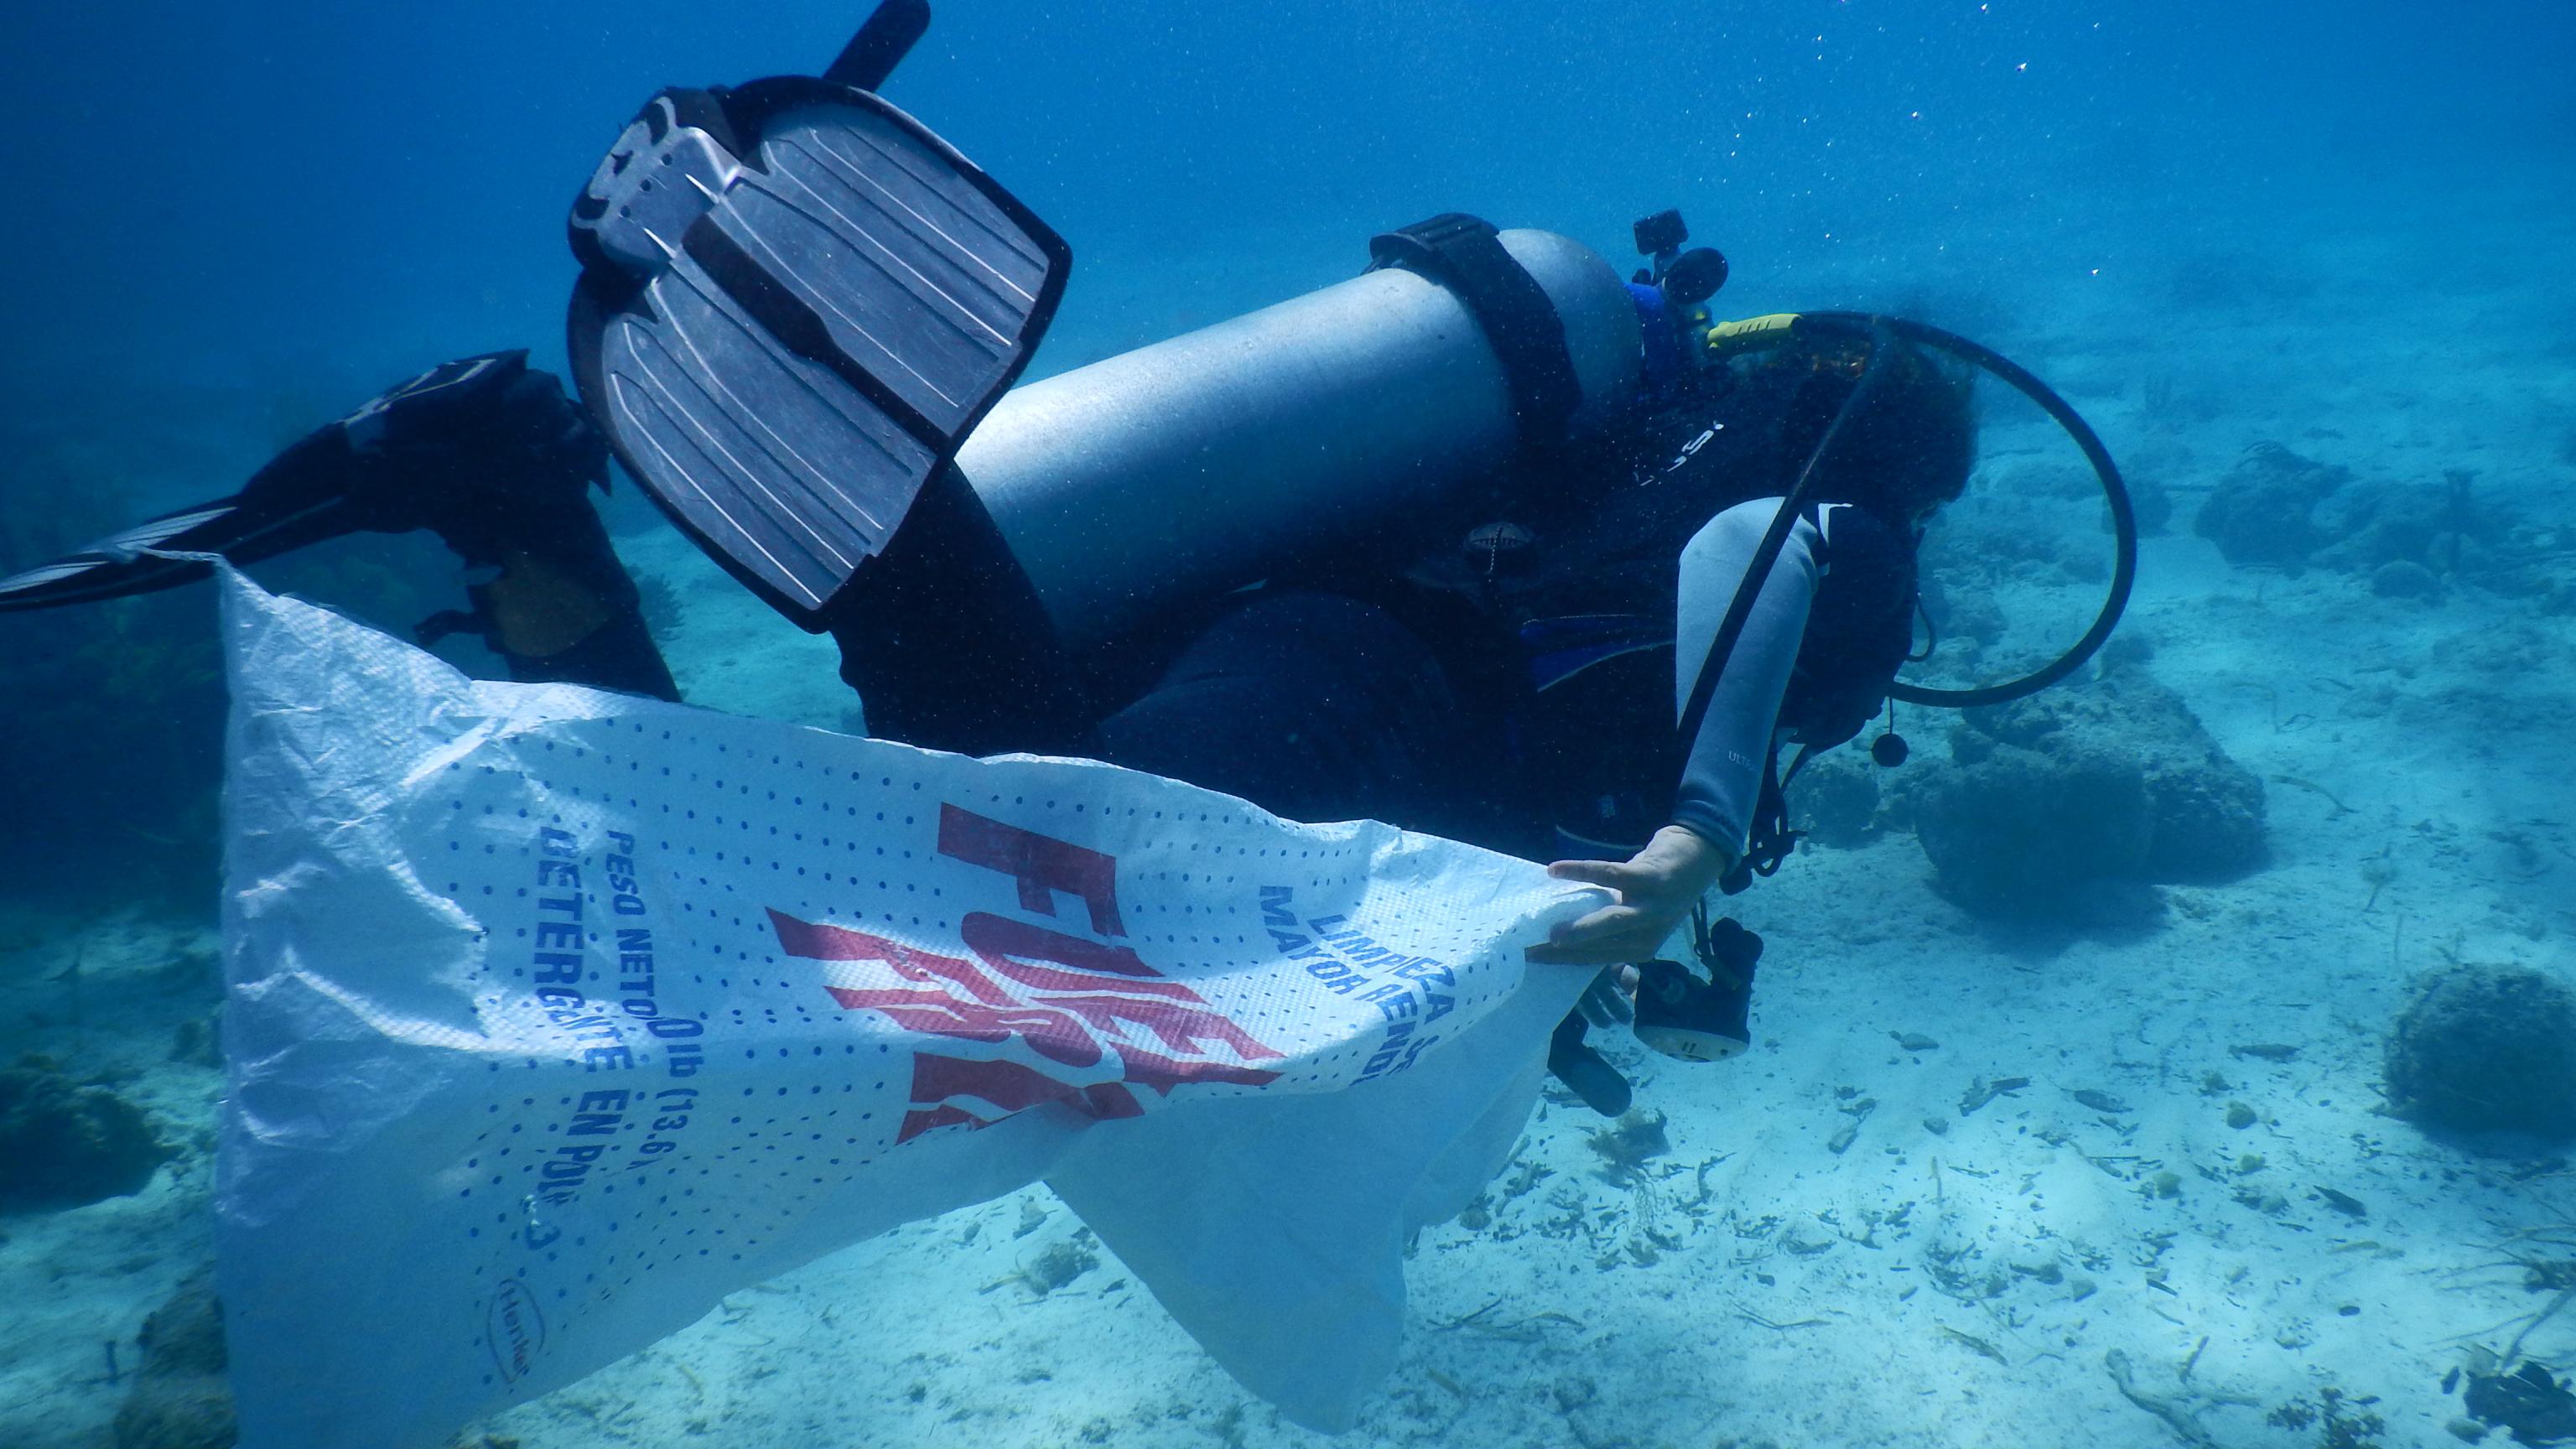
column 1751, row 1286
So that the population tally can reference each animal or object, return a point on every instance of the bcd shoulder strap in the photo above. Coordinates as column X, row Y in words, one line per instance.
column 1464, row 254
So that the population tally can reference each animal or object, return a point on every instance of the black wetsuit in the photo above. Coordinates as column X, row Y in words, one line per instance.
column 1528, row 703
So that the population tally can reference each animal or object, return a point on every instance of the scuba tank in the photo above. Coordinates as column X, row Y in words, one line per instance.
column 1190, row 467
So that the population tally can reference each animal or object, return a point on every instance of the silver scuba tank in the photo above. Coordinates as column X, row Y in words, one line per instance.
column 1190, row 467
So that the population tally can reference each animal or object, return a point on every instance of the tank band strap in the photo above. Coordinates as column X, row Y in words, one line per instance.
column 1461, row 253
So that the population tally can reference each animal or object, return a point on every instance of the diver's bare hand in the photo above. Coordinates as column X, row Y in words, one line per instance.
column 1656, row 888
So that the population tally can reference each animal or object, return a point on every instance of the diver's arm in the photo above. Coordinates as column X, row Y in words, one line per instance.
column 1722, row 776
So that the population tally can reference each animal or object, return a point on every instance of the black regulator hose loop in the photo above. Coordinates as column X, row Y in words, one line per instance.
column 1739, row 610
column 2115, row 493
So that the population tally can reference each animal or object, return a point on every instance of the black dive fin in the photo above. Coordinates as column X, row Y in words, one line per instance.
column 329, row 483
column 884, row 39
column 795, row 301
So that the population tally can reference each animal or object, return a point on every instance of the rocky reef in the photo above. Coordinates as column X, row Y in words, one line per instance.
column 2049, row 805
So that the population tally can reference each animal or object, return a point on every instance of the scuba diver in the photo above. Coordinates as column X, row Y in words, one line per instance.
column 1485, row 542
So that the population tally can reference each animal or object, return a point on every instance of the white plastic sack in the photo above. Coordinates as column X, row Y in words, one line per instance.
column 555, row 1015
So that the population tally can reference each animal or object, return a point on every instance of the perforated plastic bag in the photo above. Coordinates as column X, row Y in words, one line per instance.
column 555, row 1015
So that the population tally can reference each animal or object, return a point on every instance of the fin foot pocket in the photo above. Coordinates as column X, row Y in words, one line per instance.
column 485, row 452
column 452, row 450
column 795, row 302
column 1586, row 1072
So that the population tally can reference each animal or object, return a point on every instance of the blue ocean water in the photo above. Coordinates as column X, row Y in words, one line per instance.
column 2339, row 229
column 228, row 193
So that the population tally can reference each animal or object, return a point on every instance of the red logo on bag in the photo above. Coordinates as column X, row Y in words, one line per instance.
column 1098, row 1018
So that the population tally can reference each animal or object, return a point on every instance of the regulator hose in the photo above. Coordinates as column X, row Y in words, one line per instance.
column 1758, row 333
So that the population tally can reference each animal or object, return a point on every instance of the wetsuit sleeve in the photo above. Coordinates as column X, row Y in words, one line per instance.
column 1722, row 773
